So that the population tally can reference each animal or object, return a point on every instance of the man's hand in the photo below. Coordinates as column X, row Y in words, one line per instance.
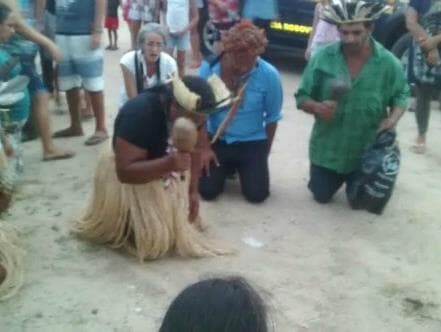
column 387, row 123
column 429, row 43
column 207, row 157
column 325, row 110
column 433, row 57
column 95, row 40
column 179, row 161
column 194, row 206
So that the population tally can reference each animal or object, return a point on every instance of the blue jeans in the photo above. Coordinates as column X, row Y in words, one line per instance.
column 324, row 182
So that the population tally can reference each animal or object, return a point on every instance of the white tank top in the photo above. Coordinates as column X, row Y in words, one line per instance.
column 178, row 15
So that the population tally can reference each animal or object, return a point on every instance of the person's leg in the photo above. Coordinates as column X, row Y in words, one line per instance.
column 324, row 183
column 88, row 64
column 183, row 44
column 51, row 152
column 212, row 185
column 135, row 25
column 70, row 82
column 253, row 170
column 195, row 48
column 422, row 115
column 109, row 36
column 115, row 39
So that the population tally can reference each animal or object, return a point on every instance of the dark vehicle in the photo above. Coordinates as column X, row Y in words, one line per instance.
column 291, row 31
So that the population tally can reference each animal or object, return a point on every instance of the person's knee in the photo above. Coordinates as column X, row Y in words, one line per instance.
column 256, row 196
column 321, row 196
column 209, row 192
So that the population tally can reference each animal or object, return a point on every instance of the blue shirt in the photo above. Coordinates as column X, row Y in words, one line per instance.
column 262, row 104
column 74, row 17
column 263, row 9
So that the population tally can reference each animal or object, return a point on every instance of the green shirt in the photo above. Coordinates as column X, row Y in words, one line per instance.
column 338, row 144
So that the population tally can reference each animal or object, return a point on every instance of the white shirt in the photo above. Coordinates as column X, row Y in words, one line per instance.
column 178, row 15
column 167, row 67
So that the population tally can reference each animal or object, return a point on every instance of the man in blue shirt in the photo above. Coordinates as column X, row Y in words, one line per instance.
column 423, row 20
column 245, row 143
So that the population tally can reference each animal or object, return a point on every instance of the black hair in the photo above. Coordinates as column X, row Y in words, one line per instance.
column 217, row 305
column 201, row 87
column 5, row 11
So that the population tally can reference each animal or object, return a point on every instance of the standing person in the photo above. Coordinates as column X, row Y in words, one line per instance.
column 13, row 120
column 181, row 17
column 24, row 45
column 245, row 142
column 111, row 23
column 423, row 20
column 148, row 65
column 376, row 97
column 322, row 34
column 139, row 12
column 145, row 197
column 195, row 39
column 79, row 34
column 224, row 14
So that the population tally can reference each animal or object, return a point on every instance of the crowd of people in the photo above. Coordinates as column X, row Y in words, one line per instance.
column 178, row 137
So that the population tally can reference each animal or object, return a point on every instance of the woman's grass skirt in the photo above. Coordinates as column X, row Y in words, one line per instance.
column 147, row 220
column 11, row 267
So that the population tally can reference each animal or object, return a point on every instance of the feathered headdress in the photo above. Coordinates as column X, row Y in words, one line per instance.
column 353, row 11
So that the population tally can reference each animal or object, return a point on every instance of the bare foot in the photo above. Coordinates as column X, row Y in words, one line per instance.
column 68, row 132
column 57, row 154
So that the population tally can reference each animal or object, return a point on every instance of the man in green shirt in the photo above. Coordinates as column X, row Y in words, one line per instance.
column 354, row 88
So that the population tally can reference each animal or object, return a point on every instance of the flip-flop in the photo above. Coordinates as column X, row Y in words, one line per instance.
column 68, row 132
column 96, row 138
column 64, row 155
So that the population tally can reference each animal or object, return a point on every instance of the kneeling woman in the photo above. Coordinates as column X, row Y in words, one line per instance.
column 145, row 197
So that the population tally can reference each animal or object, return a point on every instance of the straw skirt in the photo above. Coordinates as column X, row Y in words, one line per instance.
column 147, row 220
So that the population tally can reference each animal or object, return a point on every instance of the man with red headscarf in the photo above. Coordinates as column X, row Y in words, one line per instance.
column 242, row 134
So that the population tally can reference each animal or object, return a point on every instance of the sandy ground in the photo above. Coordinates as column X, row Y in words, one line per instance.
column 320, row 268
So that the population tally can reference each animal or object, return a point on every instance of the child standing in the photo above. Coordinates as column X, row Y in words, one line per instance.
column 224, row 14
column 323, row 33
column 112, row 23
column 181, row 17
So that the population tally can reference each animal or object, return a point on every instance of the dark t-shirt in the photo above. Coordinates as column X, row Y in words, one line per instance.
column 142, row 122
column 421, row 6
column 112, row 8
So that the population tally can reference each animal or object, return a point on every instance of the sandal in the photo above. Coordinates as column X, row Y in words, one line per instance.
column 96, row 138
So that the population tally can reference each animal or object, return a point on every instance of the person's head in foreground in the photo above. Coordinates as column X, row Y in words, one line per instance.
column 354, row 20
column 241, row 45
column 217, row 305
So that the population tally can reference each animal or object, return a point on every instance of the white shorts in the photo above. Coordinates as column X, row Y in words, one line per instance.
column 81, row 66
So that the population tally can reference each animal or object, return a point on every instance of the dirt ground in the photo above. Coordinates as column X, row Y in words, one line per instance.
column 320, row 268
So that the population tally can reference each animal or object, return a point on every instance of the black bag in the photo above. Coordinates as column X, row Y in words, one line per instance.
column 375, row 179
